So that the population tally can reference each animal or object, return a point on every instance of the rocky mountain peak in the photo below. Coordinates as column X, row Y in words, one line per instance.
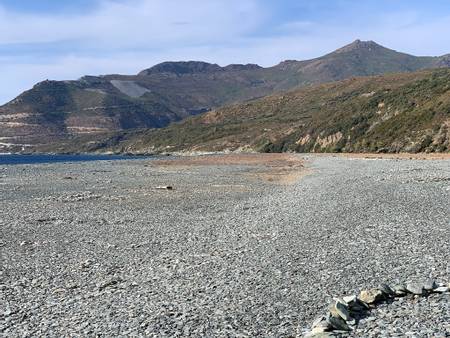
column 359, row 45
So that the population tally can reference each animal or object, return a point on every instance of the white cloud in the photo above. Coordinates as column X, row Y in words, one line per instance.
column 128, row 36
column 137, row 23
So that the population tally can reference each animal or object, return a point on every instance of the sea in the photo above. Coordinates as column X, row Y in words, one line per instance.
column 34, row 159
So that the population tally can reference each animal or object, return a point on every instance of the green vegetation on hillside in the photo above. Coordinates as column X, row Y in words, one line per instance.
column 392, row 113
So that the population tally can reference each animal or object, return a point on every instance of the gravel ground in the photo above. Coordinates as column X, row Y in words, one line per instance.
column 92, row 249
column 408, row 317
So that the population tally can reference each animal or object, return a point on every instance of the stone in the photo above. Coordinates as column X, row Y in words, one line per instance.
column 86, row 264
column 354, row 304
column 349, row 299
column 441, row 289
column 342, row 309
column 108, row 283
column 321, row 323
column 164, row 187
column 72, row 286
column 371, row 296
column 320, row 335
column 351, row 322
column 415, row 288
column 400, row 290
column 338, row 323
column 318, row 329
column 318, row 320
column 59, row 290
column 429, row 284
column 387, row 290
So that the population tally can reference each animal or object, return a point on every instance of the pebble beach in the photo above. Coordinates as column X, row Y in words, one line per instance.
column 240, row 246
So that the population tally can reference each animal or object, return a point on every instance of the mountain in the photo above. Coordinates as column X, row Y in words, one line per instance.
column 54, row 111
column 403, row 112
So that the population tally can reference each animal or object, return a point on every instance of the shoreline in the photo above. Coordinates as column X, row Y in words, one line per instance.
column 187, row 154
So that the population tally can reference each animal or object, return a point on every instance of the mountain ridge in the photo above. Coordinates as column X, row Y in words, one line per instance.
column 53, row 111
column 392, row 113
column 194, row 67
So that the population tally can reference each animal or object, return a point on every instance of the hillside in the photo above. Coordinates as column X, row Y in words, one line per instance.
column 392, row 113
column 56, row 111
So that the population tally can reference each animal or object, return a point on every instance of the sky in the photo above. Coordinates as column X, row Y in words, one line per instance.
column 66, row 39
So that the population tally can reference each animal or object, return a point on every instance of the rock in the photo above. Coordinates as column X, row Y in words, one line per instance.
column 108, row 283
column 318, row 330
column 351, row 322
column 320, row 335
column 354, row 304
column 400, row 290
column 415, row 288
column 59, row 290
column 441, row 289
column 371, row 296
column 349, row 299
column 164, row 187
column 72, row 286
column 387, row 290
column 341, row 308
column 338, row 323
column 429, row 285
column 321, row 323
column 318, row 320
column 86, row 264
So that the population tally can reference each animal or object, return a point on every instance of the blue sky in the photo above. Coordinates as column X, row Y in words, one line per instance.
column 65, row 39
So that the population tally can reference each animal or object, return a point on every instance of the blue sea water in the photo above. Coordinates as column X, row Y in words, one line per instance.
column 33, row 159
